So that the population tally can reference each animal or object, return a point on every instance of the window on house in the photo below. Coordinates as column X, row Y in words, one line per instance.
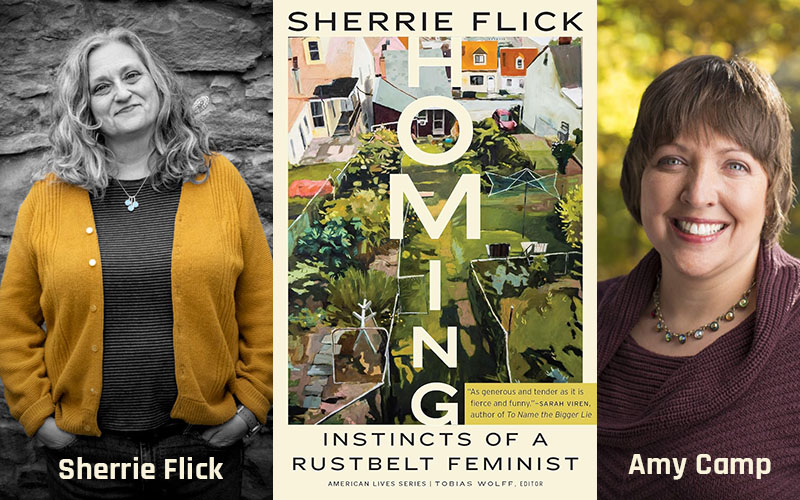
column 545, row 59
column 479, row 58
column 317, row 114
column 520, row 63
column 313, row 50
column 521, row 83
column 346, row 104
column 508, row 82
column 476, row 80
column 422, row 118
column 291, row 146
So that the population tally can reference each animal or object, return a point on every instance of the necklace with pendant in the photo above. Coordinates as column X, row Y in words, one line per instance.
column 131, row 202
column 697, row 333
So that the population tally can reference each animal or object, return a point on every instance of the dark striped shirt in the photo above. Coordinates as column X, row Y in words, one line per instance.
column 139, row 387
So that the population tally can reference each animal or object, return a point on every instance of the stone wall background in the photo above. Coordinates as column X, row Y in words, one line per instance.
column 222, row 50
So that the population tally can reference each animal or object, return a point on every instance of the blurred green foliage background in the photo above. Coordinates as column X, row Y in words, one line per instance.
column 637, row 40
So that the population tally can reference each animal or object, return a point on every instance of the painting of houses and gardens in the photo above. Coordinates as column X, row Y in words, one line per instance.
column 515, row 295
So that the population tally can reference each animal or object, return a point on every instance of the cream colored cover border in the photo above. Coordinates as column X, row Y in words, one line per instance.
column 562, row 441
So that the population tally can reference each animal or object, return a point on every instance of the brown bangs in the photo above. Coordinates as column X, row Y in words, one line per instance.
column 706, row 94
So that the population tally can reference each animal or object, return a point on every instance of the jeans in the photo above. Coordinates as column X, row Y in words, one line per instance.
column 165, row 452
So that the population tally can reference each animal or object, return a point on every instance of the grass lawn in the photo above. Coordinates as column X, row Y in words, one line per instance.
column 539, row 324
column 538, row 151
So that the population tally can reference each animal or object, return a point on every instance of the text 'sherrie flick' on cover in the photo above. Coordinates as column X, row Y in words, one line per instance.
column 434, row 167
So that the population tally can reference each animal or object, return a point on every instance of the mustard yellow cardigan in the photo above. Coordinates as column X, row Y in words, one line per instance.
column 51, row 306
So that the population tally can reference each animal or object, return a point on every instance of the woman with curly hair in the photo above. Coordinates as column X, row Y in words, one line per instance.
column 136, row 302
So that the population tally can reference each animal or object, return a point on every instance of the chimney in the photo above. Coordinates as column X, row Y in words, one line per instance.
column 296, row 75
column 383, row 66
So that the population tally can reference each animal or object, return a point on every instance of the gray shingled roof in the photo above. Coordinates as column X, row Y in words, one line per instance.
column 396, row 94
column 568, row 64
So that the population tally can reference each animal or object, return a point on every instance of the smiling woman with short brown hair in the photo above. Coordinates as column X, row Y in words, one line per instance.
column 732, row 98
column 697, row 345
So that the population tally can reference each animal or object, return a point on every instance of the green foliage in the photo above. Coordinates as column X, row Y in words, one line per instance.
column 303, row 277
column 411, row 227
column 378, row 156
column 501, row 277
column 492, row 150
column 578, row 133
column 497, row 147
column 334, row 244
column 554, row 353
column 468, row 164
column 355, row 285
column 562, row 152
column 766, row 31
column 510, row 278
column 369, row 208
column 413, row 295
column 570, row 211
column 307, row 318
column 539, row 263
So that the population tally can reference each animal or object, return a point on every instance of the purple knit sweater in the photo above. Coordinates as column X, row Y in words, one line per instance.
column 738, row 398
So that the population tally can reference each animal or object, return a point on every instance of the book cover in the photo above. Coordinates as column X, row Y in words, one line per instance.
column 432, row 171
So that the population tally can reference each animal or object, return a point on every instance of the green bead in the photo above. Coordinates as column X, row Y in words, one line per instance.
column 743, row 303
column 667, row 336
column 729, row 316
column 682, row 338
column 659, row 326
column 714, row 326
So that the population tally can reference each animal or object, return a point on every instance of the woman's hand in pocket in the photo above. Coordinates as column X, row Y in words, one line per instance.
column 226, row 434
column 50, row 436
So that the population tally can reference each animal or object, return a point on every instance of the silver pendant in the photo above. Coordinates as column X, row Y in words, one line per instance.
column 131, row 203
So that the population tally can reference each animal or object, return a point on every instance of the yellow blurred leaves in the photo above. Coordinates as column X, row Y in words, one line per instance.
column 637, row 40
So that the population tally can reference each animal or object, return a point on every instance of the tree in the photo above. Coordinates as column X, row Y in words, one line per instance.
column 378, row 156
column 639, row 40
column 562, row 152
column 369, row 208
column 492, row 150
column 570, row 211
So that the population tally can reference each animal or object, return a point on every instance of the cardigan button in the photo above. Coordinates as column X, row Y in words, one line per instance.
column 93, row 308
column 92, row 262
column 89, row 230
column 92, row 390
column 94, row 348
column 86, row 428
